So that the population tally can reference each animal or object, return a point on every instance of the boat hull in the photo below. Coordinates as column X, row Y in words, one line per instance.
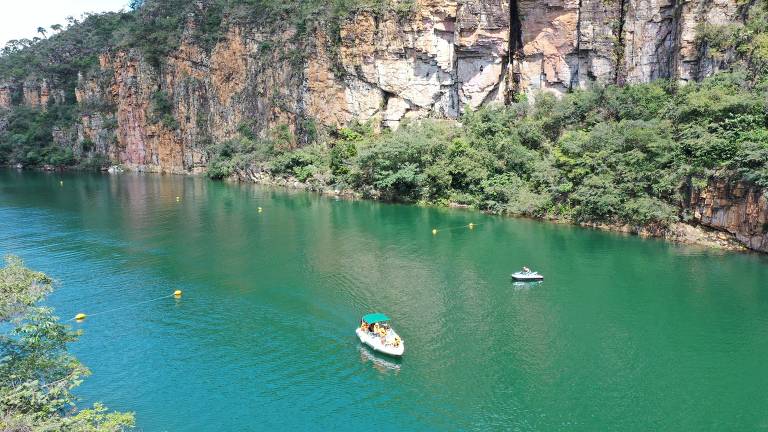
column 374, row 342
column 530, row 277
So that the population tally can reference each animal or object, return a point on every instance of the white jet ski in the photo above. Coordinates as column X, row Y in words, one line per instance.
column 376, row 332
column 527, row 276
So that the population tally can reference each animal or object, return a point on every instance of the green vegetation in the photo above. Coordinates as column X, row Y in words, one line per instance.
column 27, row 135
column 63, row 54
column 162, row 110
column 607, row 154
column 747, row 40
column 37, row 374
column 27, row 139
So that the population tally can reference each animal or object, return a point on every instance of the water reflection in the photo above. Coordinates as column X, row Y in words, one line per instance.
column 381, row 364
column 526, row 285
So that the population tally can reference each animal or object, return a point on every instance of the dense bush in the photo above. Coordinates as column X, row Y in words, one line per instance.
column 237, row 154
column 162, row 110
column 302, row 164
column 27, row 136
column 395, row 163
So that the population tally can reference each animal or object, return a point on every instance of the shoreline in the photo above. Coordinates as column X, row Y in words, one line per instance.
column 679, row 232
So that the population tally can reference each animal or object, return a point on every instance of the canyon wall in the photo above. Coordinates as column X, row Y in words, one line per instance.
column 738, row 208
column 440, row 58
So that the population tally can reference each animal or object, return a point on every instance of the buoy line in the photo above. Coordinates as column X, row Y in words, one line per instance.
column 470, row 225
column 82, row 316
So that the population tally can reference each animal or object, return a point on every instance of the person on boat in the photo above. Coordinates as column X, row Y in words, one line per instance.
column 526, row 270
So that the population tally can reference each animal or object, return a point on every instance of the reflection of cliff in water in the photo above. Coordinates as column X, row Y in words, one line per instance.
column 379, row 363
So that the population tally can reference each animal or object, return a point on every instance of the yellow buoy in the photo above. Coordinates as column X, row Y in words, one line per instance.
column 81, row 316
column 434, row 231
column 471, row 225
column 177, row 293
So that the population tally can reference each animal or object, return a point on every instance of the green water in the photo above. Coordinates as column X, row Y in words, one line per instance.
column 624, row 334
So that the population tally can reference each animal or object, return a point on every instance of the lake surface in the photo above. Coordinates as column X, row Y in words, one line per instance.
column 624, row 334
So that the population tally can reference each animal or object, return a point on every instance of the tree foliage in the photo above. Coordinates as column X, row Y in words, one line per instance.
column 37, row 374
column 27, row 136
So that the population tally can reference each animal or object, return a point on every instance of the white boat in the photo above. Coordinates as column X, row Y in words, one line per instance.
column 528, row 276
column 376, row 332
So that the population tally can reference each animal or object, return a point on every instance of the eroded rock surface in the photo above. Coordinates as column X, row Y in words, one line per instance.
column 738, row 208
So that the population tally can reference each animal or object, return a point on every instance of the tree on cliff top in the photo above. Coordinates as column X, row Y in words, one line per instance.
column 37, row 374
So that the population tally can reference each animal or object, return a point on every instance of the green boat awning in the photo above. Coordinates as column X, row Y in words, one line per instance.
column 375, row 317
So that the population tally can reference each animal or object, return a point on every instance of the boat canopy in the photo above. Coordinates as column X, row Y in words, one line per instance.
column 373, row 318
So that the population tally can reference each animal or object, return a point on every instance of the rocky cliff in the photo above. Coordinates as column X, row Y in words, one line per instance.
column 740, row 209
column 438, row 59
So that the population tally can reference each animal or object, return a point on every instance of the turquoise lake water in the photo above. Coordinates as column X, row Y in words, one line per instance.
column 624, row 334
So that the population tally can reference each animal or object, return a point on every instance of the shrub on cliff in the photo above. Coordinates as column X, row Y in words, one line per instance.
column 746, row 38
column 303, row 163
column 227, row 157
column 27, row 136
column 162, row 110
column 721, row 125
column 752, row 160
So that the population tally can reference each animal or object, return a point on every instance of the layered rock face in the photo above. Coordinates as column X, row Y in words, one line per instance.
column 568, row 43
column 166, row 119
column 737, row 208
column 5, row 95
column 452, row 55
